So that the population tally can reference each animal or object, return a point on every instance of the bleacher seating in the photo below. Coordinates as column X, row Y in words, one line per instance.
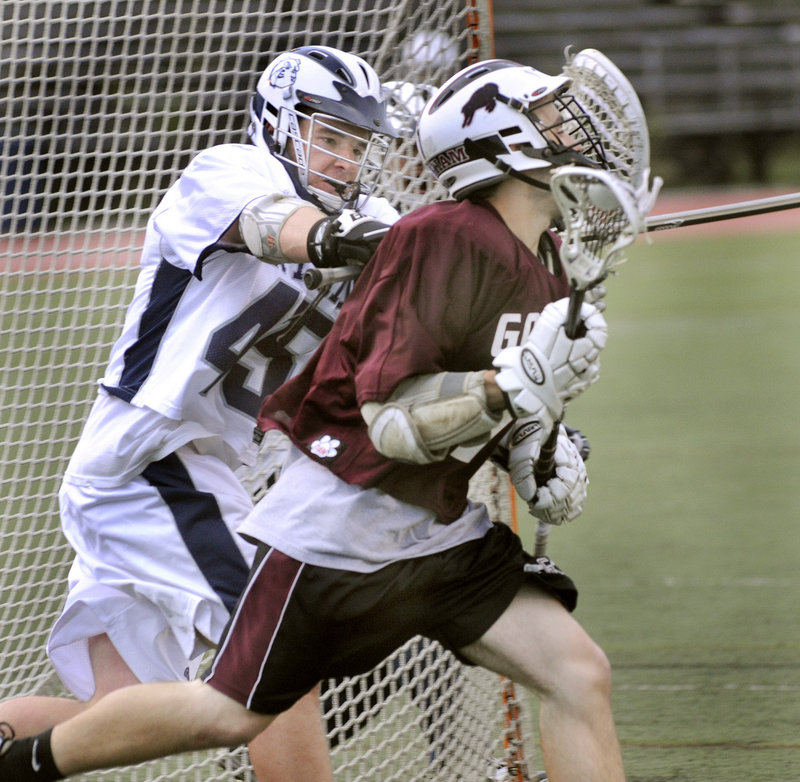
column 707, row 71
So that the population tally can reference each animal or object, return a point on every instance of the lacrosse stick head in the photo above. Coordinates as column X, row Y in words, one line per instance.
column 601, row 216
column 611, row 103
column 609, row 99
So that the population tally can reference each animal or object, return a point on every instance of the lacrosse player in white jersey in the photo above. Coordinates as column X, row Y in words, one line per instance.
column 220, row 318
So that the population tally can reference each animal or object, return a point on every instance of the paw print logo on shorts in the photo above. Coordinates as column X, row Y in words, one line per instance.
column 326, row 447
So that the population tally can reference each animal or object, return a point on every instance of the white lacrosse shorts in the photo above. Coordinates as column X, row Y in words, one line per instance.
column 158, row 568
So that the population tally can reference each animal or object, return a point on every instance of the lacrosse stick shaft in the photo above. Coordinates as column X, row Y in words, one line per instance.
column 547, row 456
column 317, row 278
column 712, row 214
column 540, row 542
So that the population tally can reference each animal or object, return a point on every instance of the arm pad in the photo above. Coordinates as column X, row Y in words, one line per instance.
column 428, row 415
column 260, row 224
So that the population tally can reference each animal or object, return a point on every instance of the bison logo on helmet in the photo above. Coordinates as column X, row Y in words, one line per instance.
column 483, row 98
column 284, row 72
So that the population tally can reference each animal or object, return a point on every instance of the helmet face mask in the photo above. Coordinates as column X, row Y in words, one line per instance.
column 569, row 132
column 330, row 155
column 498, row 119
column 333, row 91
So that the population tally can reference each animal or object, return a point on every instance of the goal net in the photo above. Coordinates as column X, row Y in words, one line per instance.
column 104, row 103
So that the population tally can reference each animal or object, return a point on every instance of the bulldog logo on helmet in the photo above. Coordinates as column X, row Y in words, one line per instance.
column 284, row 73
column 483, row 98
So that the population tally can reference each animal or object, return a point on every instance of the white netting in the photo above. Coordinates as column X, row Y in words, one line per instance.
column 104, row 102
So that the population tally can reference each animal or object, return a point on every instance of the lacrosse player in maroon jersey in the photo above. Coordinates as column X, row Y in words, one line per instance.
column 451, row 349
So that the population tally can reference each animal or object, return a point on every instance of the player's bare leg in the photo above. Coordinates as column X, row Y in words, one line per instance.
column 537, row 642
column 32, row 714
column 149, row 721
column 295, row 746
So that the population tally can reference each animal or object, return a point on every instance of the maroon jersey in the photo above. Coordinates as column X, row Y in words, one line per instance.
column 449, row 287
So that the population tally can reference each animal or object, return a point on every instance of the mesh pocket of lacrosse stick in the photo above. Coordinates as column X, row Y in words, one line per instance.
column 601, row 217
column 609, row 99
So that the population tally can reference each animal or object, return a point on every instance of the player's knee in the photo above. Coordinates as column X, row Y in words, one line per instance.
column 598, row 671
column 584, row 675
column 237, row 728
column 227, row 722
column 592, row 672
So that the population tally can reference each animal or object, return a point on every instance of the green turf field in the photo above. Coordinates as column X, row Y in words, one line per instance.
column 688, row 552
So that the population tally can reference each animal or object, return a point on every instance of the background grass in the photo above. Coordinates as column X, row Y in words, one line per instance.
column 688, row 552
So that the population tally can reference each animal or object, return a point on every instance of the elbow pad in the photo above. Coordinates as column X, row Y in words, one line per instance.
column 428, row 415
column 261, row 222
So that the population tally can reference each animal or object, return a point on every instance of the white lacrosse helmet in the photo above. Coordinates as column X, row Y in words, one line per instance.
column 323, row 84
column 404, row 103
column 481, row 127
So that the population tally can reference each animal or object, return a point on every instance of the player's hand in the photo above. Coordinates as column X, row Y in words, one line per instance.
column 561, row 498
column 575, row 362
column 527, row 381
column 344, row 239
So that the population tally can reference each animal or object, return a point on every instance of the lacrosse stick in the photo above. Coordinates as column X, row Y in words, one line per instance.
column 602, row 210
column 601, row 217
column 320, row 278
column 609, row 102
column 712, row 214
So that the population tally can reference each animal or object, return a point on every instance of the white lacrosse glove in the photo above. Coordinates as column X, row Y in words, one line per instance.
column 344, row 239
column 526, row 378
column 575, row 362
column 550, row 368
column 524, row 445
column 561, row 498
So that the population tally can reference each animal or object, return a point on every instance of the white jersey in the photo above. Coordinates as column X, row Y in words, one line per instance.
column 333, row 524
column 210, row 331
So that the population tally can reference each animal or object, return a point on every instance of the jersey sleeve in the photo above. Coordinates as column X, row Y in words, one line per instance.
column 421, row 307
column 208, row 197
